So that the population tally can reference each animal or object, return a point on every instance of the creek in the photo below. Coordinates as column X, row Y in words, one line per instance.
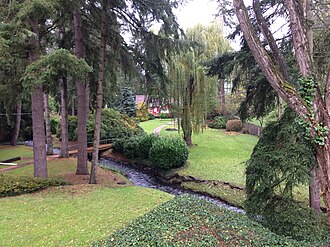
column 143, row 179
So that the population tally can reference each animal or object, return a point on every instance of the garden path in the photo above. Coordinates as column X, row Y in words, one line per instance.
column 157, row 130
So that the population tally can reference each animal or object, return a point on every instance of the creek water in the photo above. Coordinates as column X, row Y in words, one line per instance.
column 140, row 178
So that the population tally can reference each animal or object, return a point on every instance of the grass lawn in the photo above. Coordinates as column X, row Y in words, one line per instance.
column 8, row 152
column 189, row 221
column 219, row 156
column 150, row 125
column 72, row 215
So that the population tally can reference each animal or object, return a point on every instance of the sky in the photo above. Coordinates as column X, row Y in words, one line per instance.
column 203, row 12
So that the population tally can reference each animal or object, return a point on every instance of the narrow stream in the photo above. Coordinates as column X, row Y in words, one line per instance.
column 142, row 179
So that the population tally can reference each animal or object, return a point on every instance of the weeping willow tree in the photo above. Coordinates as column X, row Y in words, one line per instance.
column 190, row 89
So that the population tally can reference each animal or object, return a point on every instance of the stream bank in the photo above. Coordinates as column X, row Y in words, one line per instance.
column 175, row 184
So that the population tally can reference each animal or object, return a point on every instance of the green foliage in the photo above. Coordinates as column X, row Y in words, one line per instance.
column 219, row 122
column 279, row 163
column 234, row 125
column 142, row 113
column 12, row 186
column 289, row 218
column 128, row 102
column 190, row 221
column 114, row 126
column 314, row 131
column 167, row 153
column 54, row 122
column 49, row 68
column 163, row 115
column 151, row 116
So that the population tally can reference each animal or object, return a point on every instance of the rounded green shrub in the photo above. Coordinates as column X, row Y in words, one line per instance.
column 145, row 144
column 131, row 147
column 54, row 122
column 167, row 153
column 234, row 125
column 218, row 122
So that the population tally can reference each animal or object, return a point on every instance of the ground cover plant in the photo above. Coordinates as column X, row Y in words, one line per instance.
column 190, row 221
column 62, row 216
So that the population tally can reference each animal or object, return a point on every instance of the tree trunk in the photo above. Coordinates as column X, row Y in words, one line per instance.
column 49, row 139
column 285, row 90
column 38, row 127
column 186, row 116
column 82, row 168
column 64, row 118
column 18, row 118
column 222, row 98
column 314, row 190
column 72, row 107
column 99, row 96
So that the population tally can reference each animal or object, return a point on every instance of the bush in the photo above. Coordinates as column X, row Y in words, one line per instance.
column 234, row 125
column 167, row 153
column 54, row 122
column 142, row 113
column 163, row 115
column 12, row 186
column 219, row 122
column 114, row 126
column 287, row 217
column 145, row 144
column 151, row 116
column 131, row 147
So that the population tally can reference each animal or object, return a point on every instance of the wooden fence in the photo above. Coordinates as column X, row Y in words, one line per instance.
column 252, row 129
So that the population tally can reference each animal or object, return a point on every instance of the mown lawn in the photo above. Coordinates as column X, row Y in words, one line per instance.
column 8, row 152
column 219, row 156
column 150, row 125
column 72, row 215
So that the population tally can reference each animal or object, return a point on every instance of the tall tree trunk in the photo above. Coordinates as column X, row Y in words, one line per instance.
column 314, row 190
column 64, row 118
column 49, row 139
column 38, row 127
column 82, row 168
column 99, row 96
column 186, row 116
column 18, row 118
column 222, row 98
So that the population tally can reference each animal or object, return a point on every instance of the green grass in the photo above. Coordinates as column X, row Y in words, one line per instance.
column 8, row 152
column 68, row 216
column 234, row 196
column 55, row 168
column 189, row 221
column 149, row 126
column 219, row 156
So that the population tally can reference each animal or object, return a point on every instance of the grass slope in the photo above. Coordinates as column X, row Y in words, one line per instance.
column 189, row 221
column 72, row 215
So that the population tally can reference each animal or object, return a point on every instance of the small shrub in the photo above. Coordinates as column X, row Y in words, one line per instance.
column 167, row 153
column 234, row 125
column 131, row 147
column 142, row 113
column 54, row 122
column 151, row 116
column 12, row 186
column 164, row 115
column 219, row 122
column 118, row 145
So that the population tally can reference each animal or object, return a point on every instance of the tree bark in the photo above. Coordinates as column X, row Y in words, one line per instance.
column 64, row 118
column 314, row 190
column 39, row 140
column 49, row 139
column 99, row 96
column 186, row 116
column 222, row 98
column 82, row 168
column 15, row 135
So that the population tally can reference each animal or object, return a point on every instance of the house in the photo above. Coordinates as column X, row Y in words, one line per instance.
column 155, row 106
